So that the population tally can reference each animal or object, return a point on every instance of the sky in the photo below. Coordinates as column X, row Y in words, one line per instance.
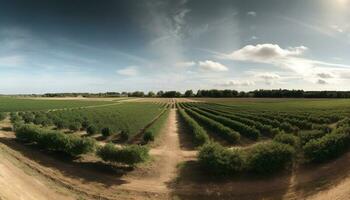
column 129, row 45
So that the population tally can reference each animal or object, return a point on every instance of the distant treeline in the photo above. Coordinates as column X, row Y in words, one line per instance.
column 280, row 93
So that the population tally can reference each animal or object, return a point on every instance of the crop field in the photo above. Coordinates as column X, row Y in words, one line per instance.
column 9, row 104
column 266, row 135
column 125, row 119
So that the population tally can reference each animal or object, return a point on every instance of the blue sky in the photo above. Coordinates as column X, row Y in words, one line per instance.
column 127, row 45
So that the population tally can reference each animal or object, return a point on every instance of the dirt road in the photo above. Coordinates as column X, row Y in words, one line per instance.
column 168, row 155
column 15, row 183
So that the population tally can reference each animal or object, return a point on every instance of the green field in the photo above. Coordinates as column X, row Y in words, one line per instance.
column 11, row 104
column 272, row 132
column 128, row 118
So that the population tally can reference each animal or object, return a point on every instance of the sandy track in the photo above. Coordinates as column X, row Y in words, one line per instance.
column 168, row 155
column 16, row 184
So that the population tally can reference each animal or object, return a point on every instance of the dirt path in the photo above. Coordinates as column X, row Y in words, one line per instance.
column 168, row 155
column 16, row 184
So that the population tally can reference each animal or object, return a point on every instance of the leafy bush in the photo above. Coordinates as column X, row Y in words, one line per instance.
column 269, row 157
column 243, row 129
column 217, row 159
column 286, row 139
column 91, row 130
column 129, row 155
column 200, row 136
column 223, row 131
column 54, row 140
column 74, row 126
column 106, row 132
column 148, row 136
column 328, row 146
column 306, row 136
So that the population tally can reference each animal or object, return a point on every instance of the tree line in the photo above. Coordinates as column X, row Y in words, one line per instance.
column 214, row 93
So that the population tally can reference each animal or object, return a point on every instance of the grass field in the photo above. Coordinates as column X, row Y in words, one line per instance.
column 11, row 104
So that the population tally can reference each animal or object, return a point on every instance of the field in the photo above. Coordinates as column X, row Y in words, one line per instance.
column 11, row 104
column 158, row 148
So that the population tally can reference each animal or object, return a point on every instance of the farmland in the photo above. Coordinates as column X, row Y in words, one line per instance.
column 10, row 104
column 235, row 140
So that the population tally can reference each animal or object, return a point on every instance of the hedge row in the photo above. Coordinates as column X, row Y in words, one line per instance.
column 129, row 155
column 200, row 136
column 54, row 140
column 243, row 129
column 261, row 158
column 267, row 130
column 329, row 146
column 152, row 132
column 228, row 134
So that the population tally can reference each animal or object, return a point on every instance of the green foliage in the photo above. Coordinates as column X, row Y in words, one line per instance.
column 199, row 135
column 91, row 130
column 10, row 104
column 72, row 145
column 286, row 139
column 223, row 131
column 75, row 126
column 153, row 131
column 129, row 155
column 269, row 157
column 329, row 146
column 106, row 132
column 243, row 129
column 306, row 136
column 217, row 159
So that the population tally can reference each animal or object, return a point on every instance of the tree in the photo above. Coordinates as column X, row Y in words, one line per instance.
column 189, row 93
column 151, row 94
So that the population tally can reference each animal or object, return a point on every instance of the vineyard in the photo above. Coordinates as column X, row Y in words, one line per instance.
column 266, row 136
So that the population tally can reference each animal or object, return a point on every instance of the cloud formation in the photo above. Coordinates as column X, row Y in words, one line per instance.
column 209, row 65
column 128, row 71
column 237, row 83
column 291, row 59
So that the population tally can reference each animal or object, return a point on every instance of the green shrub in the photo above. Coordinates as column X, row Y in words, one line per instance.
column 74, row 126
column 328, row 146
column 129, row 155
column 91, row 130
column 286, row 139
column 223, row 131
column 124, row 135
column 269, row 157
column 200, row 136
column 217, row 159
column 27, row 132
column 54, row 140
column 28, row 117
column 106, row 132
column 243, row 129
column 148, row 136
column 306, row 136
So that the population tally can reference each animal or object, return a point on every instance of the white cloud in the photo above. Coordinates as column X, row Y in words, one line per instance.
column 212, row 66
column 128, row 71
column 185, row 64
column 268, row 78
column 237, row 83
column 251, row 13
column 291, row 59
column 264, row 52
column 321, row 82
